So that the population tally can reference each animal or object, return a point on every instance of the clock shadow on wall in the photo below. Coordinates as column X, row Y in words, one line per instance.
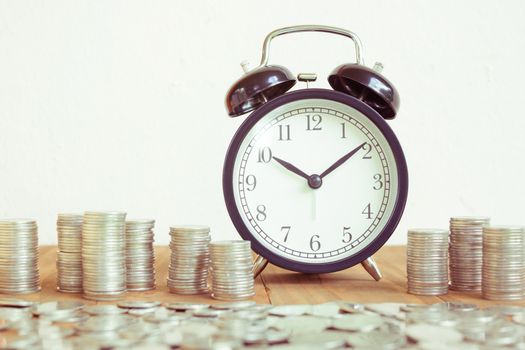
column 314, row 178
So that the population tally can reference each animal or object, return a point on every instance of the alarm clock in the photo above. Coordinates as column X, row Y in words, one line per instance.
column 315, row 178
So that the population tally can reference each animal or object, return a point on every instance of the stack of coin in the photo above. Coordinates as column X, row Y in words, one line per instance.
column 19, row 256
column 140, row 257
column 69, row 255
column 466, row 252
column 104, row 255
column 503, row 263
column 427, row 261
column 190, row 257
column 231, row 270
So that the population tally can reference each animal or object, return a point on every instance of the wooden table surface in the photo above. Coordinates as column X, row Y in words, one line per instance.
column 279, row 286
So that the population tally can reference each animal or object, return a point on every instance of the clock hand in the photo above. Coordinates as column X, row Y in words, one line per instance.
column 341, row 160
column 291, row 167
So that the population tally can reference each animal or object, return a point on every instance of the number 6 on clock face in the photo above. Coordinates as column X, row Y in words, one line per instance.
column 316, row 180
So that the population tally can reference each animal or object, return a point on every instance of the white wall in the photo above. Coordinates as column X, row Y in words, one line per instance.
column 119, row 104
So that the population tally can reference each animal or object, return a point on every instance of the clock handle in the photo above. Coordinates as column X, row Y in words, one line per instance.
column 259, row 265
column 372, row 268
column 310, row 28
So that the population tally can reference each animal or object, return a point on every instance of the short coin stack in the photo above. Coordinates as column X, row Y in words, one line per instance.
column 19, row 256
column 231, row 270
column 466, row 252
column 503, row 263
column 104, row 255
column 427, row 261
column 69, row 255
column 140, row 257
column 190, row 258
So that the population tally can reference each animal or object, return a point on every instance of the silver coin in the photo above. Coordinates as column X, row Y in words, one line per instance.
column 358, row 322
column 133, row 304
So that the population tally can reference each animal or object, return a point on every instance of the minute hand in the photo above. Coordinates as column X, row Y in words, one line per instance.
column 341, row 160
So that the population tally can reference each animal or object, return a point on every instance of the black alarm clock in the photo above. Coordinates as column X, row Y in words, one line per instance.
column 315, row 178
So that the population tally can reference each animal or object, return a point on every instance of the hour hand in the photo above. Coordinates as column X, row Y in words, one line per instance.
column 291, row 168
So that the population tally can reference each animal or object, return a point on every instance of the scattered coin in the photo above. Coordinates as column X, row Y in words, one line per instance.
column 351, row 308
column 433, row 334
column 18, row 303
column 325, row 340
column 234, row 305
column 53, row 307
column 133, row 304
column 290, row 310
column 104, row 310
column 358, row 322
column 186, row 306
column 195, row 326
column 376, row 340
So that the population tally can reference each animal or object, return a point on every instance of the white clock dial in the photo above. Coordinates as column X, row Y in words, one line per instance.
column 332, row 222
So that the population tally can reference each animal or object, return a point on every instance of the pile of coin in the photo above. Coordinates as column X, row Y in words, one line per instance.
column 503, row 263
column 231, row 270
column 190, row 258
column 140, row 256
column 427, row 261
column 247, row 325
column 104, row 255
column 69, row 254
column 466, row 252
column 19, row 256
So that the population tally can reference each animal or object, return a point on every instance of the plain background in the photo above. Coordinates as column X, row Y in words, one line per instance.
column 120, row 104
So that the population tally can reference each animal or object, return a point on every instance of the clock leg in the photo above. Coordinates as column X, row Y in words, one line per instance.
column 259, row 265
column 372, row 268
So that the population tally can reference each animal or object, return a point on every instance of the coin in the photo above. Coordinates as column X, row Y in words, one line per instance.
column 427, row 261
column 133, row 304
column 19, row 272
column 188, row 270
column 231, row 270
column 103, row 255
column 358, row 322
column 140, row 256
column 466, row 252
column 18, row 303
column 69, row 255
column 437, row 326
column 432, row 333
column 503, row 268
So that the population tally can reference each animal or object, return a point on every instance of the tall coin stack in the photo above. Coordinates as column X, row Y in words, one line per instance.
column 19, row 256
column 190, row 259
column 231, row 270
column 69, row 255
column 466, row 252
column 503, row 263
column 104, row 255
column 140, row 257
column 427, row 261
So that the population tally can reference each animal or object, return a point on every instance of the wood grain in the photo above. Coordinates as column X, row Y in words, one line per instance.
column 279, row 286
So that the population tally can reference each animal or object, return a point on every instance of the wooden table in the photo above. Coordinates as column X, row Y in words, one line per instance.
column 279, row 286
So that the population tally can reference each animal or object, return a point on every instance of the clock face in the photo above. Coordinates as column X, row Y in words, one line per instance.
column 314, row 181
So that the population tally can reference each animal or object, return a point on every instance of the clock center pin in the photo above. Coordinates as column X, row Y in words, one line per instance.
column 315, row 181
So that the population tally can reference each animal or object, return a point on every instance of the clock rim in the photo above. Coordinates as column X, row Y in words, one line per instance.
column 381, row 124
